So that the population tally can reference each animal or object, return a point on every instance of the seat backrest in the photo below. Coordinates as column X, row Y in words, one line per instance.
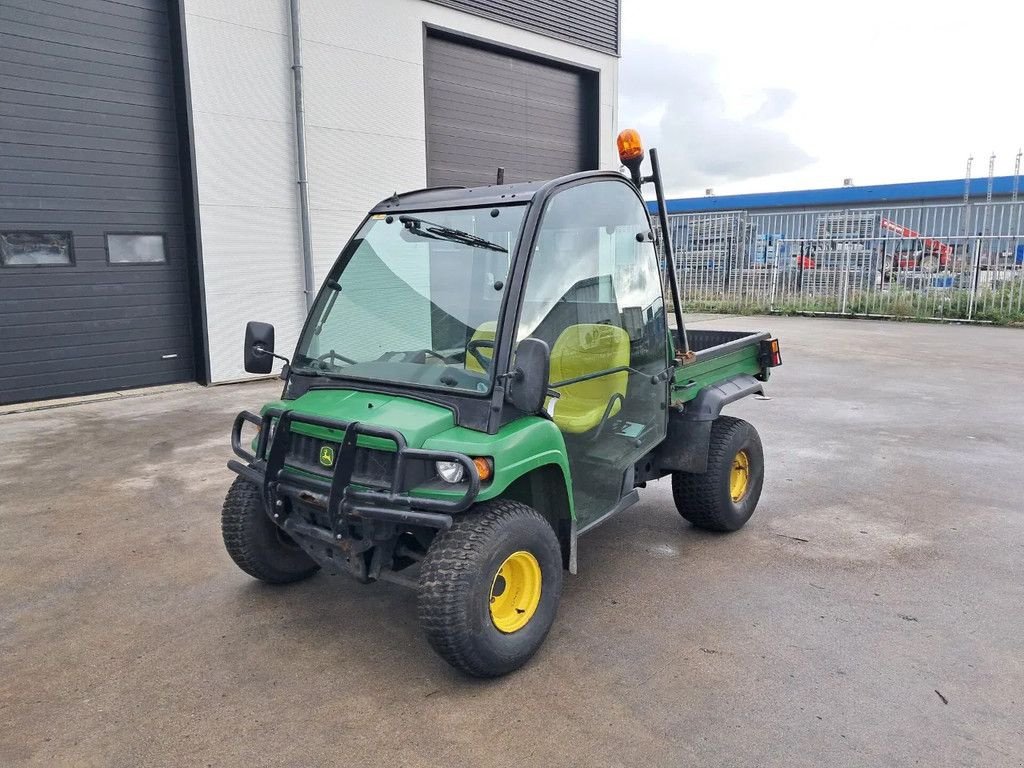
column 581, row 350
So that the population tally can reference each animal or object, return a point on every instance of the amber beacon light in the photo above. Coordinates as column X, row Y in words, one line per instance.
column 631, row 148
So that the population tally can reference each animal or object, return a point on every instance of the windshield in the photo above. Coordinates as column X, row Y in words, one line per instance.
column 414, row 299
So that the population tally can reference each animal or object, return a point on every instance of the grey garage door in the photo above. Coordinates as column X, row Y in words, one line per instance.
column 94, row 291
column 489, row 107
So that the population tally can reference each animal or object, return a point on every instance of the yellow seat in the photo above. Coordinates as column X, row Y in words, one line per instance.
column 484, row 333
column 581, row 350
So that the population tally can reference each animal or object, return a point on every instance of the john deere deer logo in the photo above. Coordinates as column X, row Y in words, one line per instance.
column 327, row 455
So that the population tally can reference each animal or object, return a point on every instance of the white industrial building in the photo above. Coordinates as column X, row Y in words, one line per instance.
column 150, row 149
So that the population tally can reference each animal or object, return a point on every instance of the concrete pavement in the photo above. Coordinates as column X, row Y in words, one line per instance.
column 870, row 614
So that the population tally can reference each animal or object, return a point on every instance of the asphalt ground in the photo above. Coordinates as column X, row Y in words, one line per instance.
column 870, row 614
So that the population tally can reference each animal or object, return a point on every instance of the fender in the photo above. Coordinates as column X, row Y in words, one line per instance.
column 685, row 448
column 708, row 404
column 517, row 449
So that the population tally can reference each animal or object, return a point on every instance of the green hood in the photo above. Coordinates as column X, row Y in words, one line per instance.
column 416, row 420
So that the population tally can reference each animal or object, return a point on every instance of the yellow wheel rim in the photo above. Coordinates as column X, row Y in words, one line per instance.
column 515, row 592
column 739, row 478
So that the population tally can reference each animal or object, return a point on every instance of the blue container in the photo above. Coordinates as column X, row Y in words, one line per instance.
column 1020, row 254
column 768, row 249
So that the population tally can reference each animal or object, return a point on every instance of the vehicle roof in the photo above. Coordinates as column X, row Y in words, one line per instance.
column 462, row 197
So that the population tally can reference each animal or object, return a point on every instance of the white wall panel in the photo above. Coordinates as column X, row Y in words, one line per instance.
column 237, row 70
column 350, row 89
column 249, row 241
column 353, row 169
column 267, row 15
column 389, row 28
column 249, row 163
column 240, row 81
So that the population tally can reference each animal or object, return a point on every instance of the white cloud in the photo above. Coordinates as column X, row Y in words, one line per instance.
column 752, row 96
column 672, row 98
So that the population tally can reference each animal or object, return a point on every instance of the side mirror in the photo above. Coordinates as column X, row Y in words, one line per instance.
column 259, row 347
column 528, row 385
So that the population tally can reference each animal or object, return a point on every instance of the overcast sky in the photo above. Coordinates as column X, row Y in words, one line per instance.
column 761, row 96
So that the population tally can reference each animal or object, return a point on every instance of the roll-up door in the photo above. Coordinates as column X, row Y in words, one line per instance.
column 94, row 278
column 489, row 107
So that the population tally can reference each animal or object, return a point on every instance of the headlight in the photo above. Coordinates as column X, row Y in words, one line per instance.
column 450, row 471
column 454, row 472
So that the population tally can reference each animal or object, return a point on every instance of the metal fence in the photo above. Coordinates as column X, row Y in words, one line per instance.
column 957, row 261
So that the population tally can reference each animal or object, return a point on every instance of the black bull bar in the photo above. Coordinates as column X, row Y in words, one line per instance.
column 343, row 501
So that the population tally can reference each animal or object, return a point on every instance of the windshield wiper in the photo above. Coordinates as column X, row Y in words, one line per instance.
column 433, row 231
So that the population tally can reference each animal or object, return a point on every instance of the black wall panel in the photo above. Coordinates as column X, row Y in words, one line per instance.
column 89, row 145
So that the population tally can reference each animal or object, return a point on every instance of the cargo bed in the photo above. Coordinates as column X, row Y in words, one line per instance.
column 718, row 355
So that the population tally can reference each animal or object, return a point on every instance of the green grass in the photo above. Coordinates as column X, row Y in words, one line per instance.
column 1003, row 305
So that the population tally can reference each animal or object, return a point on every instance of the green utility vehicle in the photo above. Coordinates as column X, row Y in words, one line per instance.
column 486, row 375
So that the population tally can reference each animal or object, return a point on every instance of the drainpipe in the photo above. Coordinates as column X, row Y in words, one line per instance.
column 308, row 287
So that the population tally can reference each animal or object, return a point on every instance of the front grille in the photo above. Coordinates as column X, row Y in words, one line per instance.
column 372, row 467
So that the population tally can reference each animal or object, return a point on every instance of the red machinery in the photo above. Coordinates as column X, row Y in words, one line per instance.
column 930, row 246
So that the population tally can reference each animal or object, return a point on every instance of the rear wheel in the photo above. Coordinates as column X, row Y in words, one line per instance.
column 257, row 546
column 724, row 497
column 490, row 586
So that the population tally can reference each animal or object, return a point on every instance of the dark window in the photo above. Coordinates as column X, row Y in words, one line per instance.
column 136, row 249
column 36, row 249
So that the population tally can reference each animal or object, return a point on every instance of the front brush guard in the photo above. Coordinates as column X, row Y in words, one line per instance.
column 343, row 501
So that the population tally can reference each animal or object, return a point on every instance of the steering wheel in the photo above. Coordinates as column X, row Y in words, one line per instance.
column 474, row 347
column 332, row 356
column 438, row 355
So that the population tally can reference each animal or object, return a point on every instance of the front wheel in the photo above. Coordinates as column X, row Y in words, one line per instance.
column 724, row 497
column 490, row 586
column 257, row 546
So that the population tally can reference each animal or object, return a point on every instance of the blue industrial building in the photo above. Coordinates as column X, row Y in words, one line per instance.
column 910, row 193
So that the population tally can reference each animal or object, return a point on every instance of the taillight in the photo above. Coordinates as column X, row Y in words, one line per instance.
column 771, row 355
